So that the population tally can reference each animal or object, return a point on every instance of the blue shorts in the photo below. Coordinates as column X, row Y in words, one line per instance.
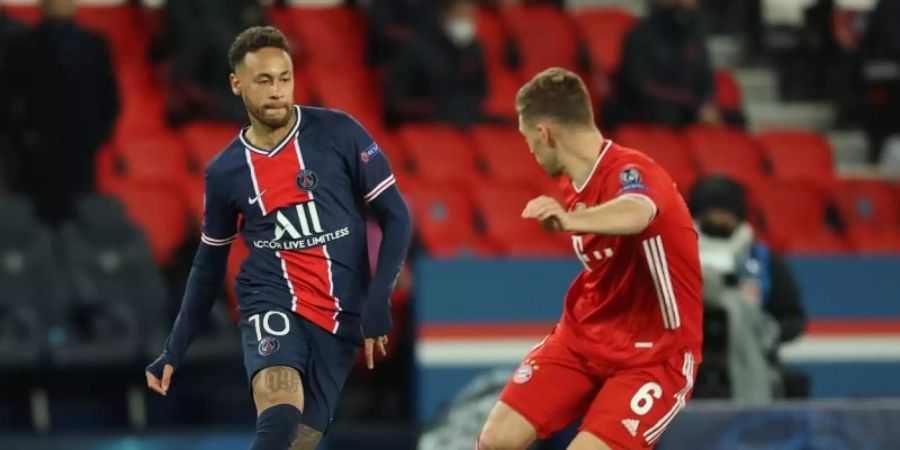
column 279, row 337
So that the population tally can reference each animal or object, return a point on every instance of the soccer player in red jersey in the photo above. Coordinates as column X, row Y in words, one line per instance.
column 624, row 354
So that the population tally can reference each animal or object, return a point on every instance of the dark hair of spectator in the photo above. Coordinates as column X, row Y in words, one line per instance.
column 719, row 192
column 555, row 94
column 253, row 39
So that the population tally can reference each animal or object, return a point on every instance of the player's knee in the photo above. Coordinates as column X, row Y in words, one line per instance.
column 493, row 438
column 276, row 427
column 278, row 385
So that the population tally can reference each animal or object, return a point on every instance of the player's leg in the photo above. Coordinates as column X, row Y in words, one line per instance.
column 547, row 392
column 330, row 362
column 587, row 441
column 278, row 394
column 506, row 429
column 635, row 406
column 276, row 350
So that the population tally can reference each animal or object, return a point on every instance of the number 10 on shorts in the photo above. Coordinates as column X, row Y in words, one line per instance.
column 266, row 322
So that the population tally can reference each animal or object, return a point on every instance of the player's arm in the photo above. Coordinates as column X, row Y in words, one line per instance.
column 622, row 216
column 375, row 183
column 204, row 283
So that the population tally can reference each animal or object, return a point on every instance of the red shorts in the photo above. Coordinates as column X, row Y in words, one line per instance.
column 626, row 408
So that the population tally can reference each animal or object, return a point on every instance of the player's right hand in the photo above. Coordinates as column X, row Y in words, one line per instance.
column 159, row 374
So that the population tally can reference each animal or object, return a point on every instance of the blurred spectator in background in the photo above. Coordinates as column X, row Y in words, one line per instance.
column 880, row 52
column 752, row 286
column 392, row 23
column 199, row 34
column 63, row 105
column 666, row 77
column 440, row 74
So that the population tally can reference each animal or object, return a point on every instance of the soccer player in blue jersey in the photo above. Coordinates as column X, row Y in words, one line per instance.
column 295, row 184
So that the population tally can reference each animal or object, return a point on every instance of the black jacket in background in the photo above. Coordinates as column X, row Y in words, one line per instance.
column 434, row 80
column 62, row 106
column 784, row 303
column 666, row 75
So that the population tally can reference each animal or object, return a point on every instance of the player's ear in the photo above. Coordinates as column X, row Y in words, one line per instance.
column 546, row 136
column 235, row 84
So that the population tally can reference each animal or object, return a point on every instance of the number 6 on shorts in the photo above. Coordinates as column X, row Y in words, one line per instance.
column 642, row 402
column 266, row 325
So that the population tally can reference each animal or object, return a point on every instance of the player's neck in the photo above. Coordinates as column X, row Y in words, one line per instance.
column 580, row 152
column 267, row 138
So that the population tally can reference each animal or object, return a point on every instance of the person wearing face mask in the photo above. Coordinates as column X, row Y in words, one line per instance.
column 440, row 73
column 62, row 102
column 666, row 77
column 753, row 288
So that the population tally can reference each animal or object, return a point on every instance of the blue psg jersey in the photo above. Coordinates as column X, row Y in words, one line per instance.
column 300, row 208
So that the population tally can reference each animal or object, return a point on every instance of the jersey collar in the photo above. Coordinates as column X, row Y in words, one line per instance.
column 606, row 146
column 282, row 144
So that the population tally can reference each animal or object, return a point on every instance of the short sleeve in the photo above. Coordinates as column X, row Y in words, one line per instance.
column 638, row 178
column 372, row 171
column 219, row 216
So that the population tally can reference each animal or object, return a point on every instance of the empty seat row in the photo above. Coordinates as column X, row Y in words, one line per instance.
column 88, row 294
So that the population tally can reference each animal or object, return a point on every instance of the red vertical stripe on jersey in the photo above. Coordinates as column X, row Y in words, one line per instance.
column 276, row 178
column 311, row 280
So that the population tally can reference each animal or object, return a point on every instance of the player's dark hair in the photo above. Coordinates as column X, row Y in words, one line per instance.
column 555, row 94
column 253, row 39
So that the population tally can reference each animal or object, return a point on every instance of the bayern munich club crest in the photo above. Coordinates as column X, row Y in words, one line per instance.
column 525, row 372
column 307, row 180
column 268, row 345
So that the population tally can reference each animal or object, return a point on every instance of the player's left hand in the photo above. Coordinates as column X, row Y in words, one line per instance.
column 381, row 342
column 548, row 211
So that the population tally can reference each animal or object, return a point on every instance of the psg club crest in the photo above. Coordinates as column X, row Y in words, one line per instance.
column 268, row 345
column 307, row 180
column 524, row 373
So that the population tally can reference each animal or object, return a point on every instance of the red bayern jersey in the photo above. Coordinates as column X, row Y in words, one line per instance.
column 638, row 299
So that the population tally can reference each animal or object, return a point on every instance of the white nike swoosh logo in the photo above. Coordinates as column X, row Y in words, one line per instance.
column 256, row 199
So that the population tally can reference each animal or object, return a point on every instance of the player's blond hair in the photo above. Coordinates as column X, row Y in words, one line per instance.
column 556, row 94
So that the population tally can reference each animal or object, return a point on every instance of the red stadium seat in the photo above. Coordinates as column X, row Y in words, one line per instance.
column 28, row 14
column 331, row 37
column 501, row 209
column 192, row 191
column 354, row 91
column 445, row 221
column 158, row 158
column 726, row 151
column 506, row 155
column 790, row 211
column 123, row 28
column 728, row 92
column 440, row 155
column 493, row 38
column 604, row 31
column 866, row 204
column 204, row 140
column 545, row 37
column 503, row 84
column 666, row 147
column 106, row 179
column 798, row 155
column 876, row 241
column 820, row 242
column 160, row 211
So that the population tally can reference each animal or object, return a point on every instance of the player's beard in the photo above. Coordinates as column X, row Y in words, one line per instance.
column 259, row 113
